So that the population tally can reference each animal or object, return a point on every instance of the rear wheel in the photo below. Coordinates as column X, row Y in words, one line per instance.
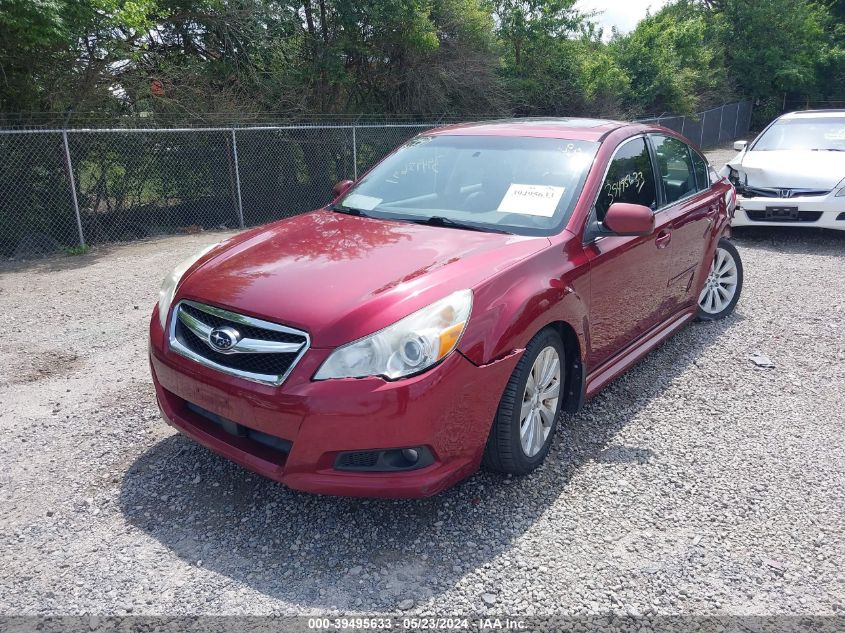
column 723, row 285
column 530, row 406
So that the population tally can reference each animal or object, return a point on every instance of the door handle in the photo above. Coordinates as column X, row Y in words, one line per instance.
column 663, row 238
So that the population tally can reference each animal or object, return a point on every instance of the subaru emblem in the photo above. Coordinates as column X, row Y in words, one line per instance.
column 223, row 338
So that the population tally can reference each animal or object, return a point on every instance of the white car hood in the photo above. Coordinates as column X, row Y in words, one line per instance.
column 793, row 169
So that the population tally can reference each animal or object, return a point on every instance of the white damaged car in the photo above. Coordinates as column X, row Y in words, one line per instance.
column 793, row 173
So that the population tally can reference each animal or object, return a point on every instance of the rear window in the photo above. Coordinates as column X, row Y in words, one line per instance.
column 702, row 173
column 675, row 167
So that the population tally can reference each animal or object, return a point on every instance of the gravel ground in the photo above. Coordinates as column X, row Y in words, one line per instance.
column 696, row 484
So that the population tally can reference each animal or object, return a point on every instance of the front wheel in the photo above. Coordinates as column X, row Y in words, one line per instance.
column 723, row 285
column 530, row 406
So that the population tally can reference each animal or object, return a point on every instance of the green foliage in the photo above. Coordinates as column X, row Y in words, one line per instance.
column 773, row 46
column 540, row 64
column 672, row 61
column 75, row 251
column 462, row 57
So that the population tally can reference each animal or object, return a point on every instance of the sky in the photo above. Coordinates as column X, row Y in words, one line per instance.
column 623, row 14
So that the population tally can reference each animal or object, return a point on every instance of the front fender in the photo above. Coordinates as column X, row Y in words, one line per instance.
column 549, row 287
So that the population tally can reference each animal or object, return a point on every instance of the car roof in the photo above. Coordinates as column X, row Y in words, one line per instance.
column 814, row 114
column 578, row 129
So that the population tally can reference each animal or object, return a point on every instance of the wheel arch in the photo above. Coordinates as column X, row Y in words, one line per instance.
column 574, row 381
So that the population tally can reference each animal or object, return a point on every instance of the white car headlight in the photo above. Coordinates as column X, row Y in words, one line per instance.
column 737, row 178
column 171, row 281
column 407, row 347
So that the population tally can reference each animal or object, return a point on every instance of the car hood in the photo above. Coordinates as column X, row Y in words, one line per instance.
column 792, row 169
column 340, row 277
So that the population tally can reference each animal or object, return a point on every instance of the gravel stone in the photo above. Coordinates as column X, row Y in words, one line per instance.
column 697, row 483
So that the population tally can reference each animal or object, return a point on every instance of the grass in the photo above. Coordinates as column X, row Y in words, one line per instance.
column 77, row 250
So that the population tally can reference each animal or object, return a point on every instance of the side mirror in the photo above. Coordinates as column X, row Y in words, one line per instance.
column 623, row 218
column 341, row 188
column 740, row 145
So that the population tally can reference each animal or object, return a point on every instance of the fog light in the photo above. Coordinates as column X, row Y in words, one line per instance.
column 387, row 460
column 411, row 455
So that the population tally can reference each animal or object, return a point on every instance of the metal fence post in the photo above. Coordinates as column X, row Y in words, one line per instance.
column 237, row 179
column 749, row 118
column 736, row 121
column 721, row 116
column 354, row 154
column 72, row 181
column 703, row 121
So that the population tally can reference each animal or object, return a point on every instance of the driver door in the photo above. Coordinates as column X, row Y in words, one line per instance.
column 627, row 274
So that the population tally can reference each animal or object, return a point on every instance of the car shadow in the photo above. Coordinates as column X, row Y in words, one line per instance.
column 370, row 555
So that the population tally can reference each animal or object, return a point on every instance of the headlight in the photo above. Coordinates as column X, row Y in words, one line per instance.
column 407, row 347
column 736, row 178
column 168, row 286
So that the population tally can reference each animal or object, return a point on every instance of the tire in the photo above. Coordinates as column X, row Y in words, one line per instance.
column 723, row 284
column 505, row 451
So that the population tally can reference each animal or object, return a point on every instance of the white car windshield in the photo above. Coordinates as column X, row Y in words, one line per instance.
column 817, row 133
column 510, row 184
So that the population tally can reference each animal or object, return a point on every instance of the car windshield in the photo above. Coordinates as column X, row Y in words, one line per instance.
column 820, row 134
column 517, row 185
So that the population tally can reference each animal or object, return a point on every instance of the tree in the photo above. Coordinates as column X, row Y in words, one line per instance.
column 773, row 46
column 192, row 58
column 673, row 61
column 540, row 65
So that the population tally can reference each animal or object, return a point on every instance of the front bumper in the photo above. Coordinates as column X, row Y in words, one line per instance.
column 448, row 410
column 827, row 212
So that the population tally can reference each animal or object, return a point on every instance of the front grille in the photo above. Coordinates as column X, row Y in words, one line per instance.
column 269, row 353
column 773, row 192
column 803, row 216
column 247, row 330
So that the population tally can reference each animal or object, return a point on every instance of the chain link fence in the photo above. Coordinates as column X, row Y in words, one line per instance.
column 67, row 189
column 710, row 128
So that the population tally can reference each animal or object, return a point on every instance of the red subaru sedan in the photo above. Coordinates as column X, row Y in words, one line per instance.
column 442, row 311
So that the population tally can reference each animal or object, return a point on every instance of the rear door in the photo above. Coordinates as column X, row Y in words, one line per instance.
column 690, row 206
column 627, row 274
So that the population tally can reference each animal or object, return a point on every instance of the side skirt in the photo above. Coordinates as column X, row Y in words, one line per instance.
column 635, row 352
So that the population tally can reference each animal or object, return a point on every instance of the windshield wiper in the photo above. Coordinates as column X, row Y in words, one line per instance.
column 439, row 220
column 339, row 208
column 828, row 149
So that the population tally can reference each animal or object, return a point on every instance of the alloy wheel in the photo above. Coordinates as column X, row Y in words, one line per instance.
column 721, row 284
column 539, row 401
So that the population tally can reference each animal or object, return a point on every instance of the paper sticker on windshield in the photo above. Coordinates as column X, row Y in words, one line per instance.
column 531, row 200
column 360, row 201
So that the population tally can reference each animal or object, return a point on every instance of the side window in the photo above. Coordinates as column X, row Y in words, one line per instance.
column 674, row 166
column 702, row 171
column 630, row 178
